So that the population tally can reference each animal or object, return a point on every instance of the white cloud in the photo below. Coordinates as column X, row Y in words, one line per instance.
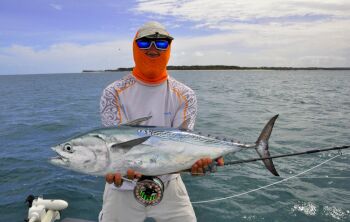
column 269, row 32
column 57, row 7
column 214, row 13
column 308, row 45
column 66, row 57
column 198, row 53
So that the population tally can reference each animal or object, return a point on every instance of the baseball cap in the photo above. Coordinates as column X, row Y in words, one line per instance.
column 153, row 30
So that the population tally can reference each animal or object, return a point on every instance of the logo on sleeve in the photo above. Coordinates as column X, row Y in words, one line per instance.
column 167, row 113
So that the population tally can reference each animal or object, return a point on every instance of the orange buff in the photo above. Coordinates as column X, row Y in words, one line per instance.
column 150, row 70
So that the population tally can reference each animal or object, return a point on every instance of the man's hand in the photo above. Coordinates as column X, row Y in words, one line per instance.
column 117, row 177
column 205, row 164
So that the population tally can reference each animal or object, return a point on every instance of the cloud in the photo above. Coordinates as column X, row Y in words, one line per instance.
column 300, row 46
column 262, row 33
column 307, row 45
column 65, row 57
column 56, row 6
column 213, row 14
column 199, row 54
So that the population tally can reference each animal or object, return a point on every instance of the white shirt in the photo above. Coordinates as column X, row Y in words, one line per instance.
column 171, row 104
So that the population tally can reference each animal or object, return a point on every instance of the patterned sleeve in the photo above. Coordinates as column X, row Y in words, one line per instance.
column 186, row 115
column 110, row 107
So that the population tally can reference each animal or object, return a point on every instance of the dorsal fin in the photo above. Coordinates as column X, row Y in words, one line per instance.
column 130, row 143
column 137, row 122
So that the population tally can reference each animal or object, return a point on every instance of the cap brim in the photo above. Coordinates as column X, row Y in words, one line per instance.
column 155, row 36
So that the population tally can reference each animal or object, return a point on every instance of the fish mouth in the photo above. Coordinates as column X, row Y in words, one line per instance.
column 59, row 158
column 62, row 158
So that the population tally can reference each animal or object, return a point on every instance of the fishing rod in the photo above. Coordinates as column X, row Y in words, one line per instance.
column 149, row 189
column 339, row 148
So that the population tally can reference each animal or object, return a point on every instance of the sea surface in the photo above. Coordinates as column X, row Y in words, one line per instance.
column 39, row 111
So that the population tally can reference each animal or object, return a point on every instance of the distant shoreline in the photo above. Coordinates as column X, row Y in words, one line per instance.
column 223, row 67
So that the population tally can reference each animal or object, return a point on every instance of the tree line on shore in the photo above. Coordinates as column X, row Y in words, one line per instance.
column 224, row 67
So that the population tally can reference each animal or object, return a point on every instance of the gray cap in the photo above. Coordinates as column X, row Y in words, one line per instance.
column 153, row 30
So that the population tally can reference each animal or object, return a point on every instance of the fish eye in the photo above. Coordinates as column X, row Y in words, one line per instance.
column 67, row 147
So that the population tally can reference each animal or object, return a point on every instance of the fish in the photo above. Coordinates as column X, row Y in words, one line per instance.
column 152, row 151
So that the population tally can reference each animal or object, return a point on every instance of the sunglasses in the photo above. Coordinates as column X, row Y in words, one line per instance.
column 160, row 44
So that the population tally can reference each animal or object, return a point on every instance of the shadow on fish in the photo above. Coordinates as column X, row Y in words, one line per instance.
column 152, row 151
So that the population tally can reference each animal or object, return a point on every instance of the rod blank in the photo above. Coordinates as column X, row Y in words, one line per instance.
column 288, row 154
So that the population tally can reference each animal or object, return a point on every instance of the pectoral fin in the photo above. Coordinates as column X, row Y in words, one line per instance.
column 184, row 125
column 129, row 144
column 137, row 122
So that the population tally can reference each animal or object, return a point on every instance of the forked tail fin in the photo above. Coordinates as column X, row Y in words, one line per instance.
column 262, row 145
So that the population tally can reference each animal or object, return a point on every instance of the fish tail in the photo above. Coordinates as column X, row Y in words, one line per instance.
column 262, row 145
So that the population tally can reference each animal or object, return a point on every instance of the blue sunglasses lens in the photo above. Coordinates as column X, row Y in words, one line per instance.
column 143, row 44
column 162, row 44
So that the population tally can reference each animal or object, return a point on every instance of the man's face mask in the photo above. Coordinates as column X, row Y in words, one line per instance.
column 151, row 57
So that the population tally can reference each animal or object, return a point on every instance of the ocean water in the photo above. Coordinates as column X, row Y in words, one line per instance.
column 39, row 111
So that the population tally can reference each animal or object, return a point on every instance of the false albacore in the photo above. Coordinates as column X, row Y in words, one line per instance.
column 152, row 151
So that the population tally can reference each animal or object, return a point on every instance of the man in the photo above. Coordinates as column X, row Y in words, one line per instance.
column 149, row 91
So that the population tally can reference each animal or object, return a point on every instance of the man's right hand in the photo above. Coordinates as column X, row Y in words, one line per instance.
column 202, row 166
column 117, row 179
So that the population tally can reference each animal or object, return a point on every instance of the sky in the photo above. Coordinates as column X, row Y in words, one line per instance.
column 66, row 36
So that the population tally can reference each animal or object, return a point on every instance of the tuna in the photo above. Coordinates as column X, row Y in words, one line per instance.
column 152, row 151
